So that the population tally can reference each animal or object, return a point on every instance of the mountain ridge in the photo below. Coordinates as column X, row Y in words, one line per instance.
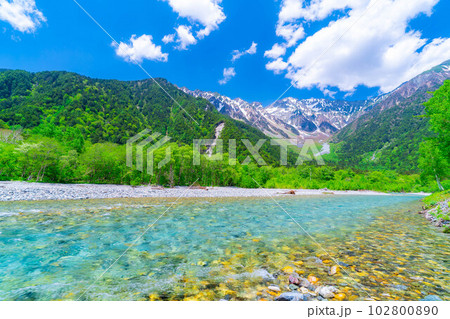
column 389, row 133
column 288, row 117
column 363, row 130
column 68, row 104
column 319, row 118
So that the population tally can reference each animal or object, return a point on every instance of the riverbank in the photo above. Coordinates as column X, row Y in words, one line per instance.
column 436, row 210
column 17, row 191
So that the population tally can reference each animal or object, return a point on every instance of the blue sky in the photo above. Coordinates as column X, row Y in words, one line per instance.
column 336, row 49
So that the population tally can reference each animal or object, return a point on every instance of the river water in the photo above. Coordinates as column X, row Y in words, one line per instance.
column 210, row 249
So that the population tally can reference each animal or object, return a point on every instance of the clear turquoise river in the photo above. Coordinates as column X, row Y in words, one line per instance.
column 208, row 249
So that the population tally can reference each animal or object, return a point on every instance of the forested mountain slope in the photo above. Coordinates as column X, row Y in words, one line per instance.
column 113, row 111
column 389, row 134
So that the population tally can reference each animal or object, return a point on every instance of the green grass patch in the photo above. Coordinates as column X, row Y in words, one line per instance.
column 435, row 198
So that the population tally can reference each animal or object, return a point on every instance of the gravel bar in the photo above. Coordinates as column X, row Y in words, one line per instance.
column 18, row 191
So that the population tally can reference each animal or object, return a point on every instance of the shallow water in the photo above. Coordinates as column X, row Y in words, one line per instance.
column 208, row 249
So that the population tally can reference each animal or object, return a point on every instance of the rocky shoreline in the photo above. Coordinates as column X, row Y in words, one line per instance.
column 24, row 191
column 435, row 215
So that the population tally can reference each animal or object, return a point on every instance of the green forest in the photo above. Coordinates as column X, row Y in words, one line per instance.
column 387, row 139
column 66, row 128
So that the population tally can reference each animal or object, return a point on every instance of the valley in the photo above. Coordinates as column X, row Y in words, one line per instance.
column 143, row 157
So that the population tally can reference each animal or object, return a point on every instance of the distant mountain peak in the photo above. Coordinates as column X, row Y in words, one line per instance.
column 318, row 118
column 393, row 124
column 288, row 117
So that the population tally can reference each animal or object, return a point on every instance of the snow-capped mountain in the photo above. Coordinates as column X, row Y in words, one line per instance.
column 289, row 117
column 316, row 115
column 321, row 118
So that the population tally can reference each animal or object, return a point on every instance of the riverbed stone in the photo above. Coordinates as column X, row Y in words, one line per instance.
column 342, row 264
column 399, row 287
column 291, row 296
column 333, row 270
column 303, row 282
column 293, row 280
column 431, row 298
column 293, row 287
column 326, row 291
column 262, row 273
column 339, row 296
column 417, row 278
column 313, row 279
column 274, row 288
column 315, row 260
column 288, row 270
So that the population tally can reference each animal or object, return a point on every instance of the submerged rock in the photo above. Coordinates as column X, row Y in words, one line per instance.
column 305, row 283
column 333, row 270
column 399, row 287
column 288, row 270
column 262, row 273
column 274, row 288
column 340, row 296
column 431, row 298
column 292, row 296
column 259, row 273
column 304, row 290
column 293, row 280
column 293, row 287
column 315, row 260
column 326, row 291
column 313, row 279
column 340, row 263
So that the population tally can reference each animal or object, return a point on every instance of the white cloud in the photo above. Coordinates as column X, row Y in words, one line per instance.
column 291, row 33
column 238, row 54
column 228, row 74
column 276, row 51
column 21, row 14
column 277, row 66
column 371, row 44
column 184, row 37
column 168, row 38
column 208, row 13
column 140, row 49
column 292, row 10
column 329, row 93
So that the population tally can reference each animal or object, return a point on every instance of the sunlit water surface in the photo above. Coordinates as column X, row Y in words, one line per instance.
column 209, row 249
